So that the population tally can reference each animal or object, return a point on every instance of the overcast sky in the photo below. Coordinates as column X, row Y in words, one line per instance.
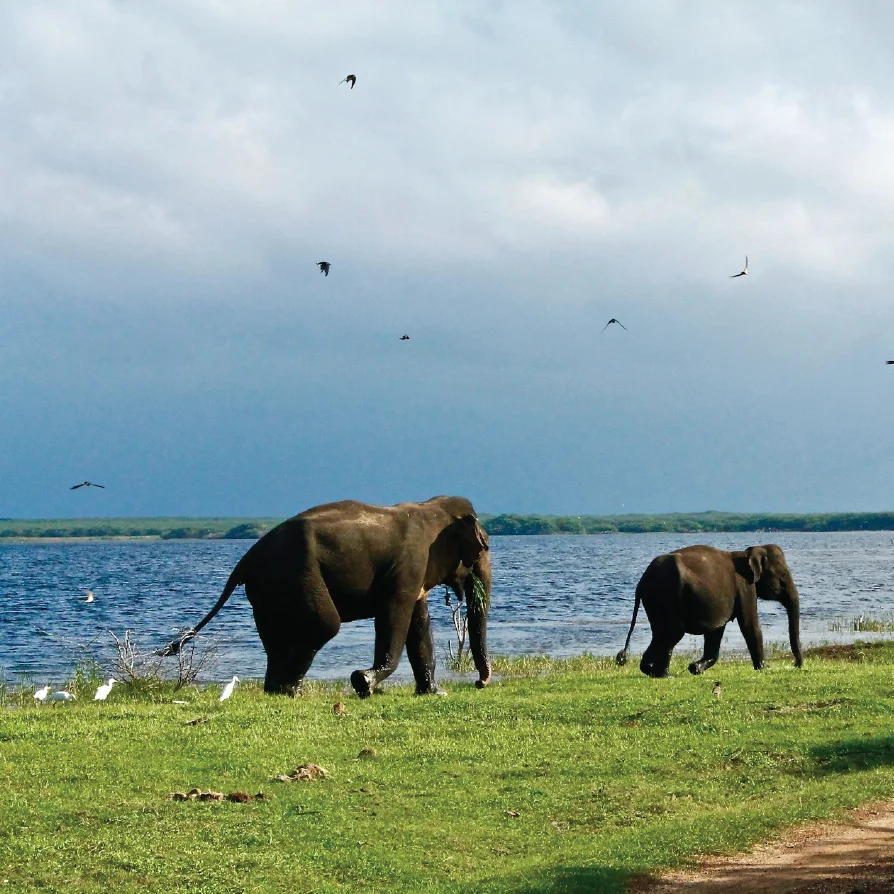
column 503, row 179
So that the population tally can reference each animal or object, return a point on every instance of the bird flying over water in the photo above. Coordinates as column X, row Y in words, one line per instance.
column 324, row 267
column 87, row 484
column 351, row 79
column 228, row 689
column 103, row 691
column 42, row 693
column 405, row 338
column 90, row 597
column 744, row 272
column 613, row 320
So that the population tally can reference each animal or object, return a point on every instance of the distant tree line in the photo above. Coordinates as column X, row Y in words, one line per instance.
column 687, row 523
column 674, row 523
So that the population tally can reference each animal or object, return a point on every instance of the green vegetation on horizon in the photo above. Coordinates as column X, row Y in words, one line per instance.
column 677, row 522
column 572, row 778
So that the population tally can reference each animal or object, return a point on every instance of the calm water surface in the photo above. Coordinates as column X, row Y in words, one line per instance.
column 560, row 596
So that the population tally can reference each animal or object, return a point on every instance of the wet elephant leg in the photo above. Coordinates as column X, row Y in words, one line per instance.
column 754, row 637
column 712, row 652
column 421, row 650
column 392, row 627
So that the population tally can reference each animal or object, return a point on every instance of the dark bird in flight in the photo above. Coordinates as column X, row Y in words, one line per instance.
column 889, row 362
column 324, row 267
column 613, row 320
column 87, row 484
column 744, row 272
column 716, row 689
column 405, row 338
column 351, row 79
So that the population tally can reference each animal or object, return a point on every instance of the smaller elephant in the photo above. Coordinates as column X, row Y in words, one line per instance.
column 699, row 590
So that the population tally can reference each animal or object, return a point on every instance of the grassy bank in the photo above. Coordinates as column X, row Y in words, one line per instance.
column 569, row 776
column 249, row 528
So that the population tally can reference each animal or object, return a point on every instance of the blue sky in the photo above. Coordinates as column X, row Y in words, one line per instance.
column 503, row 179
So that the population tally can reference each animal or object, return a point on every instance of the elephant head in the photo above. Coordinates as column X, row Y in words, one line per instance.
column 769, row 572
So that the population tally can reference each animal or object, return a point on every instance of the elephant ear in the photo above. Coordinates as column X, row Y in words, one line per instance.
column 481, row 536
column 757, row 562
column 474, row 539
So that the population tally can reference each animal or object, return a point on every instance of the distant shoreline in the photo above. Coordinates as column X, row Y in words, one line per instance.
column 98, row 529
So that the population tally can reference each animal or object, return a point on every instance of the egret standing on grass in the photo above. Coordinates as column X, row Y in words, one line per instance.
column 42, row 693
column 228, row 689
column 60, row 696
column 103, row 692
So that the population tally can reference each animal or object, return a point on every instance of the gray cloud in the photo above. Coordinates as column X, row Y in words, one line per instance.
column 503, row 178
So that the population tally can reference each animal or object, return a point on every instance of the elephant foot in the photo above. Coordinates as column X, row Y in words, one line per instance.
column 434, row 689
column 289, row 689
column 362, row 684
column 696, row 668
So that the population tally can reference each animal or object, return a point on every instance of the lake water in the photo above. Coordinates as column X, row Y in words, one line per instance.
column 560, row 596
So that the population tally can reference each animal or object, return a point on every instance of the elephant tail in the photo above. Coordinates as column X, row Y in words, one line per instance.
column 233, row 581
column 621, row 657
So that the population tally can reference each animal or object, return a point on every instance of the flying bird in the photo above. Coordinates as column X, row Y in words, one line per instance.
column 405, row 338
column 351, row 79
column 716, row 689
column 103, row 691
column 228, row 689
column 60, row 696
column 87, row 484
column 889, row 362
column 613, row 320
column 324, row 267
column 42, row 693
column 744, row 272
column 89, row 597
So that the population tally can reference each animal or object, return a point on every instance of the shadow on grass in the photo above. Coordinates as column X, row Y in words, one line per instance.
column 854, row 755
column 572, row 880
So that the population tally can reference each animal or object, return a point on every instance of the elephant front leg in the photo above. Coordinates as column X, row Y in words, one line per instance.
column 712, row 652
column 392, row 627
column 421, row 650
column 753, row 635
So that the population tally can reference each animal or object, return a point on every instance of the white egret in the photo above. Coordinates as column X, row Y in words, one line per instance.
column 228, row 689
column 60, row 696
column 42, row 693
column 104, row 690
column 89, row 597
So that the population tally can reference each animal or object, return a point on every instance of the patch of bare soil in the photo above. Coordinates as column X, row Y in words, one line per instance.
column 853, row 856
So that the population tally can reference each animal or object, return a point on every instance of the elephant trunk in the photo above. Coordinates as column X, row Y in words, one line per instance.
column 477, row 607
column 792, row 607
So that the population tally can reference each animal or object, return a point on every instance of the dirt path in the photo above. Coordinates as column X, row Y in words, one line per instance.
column 855, row 855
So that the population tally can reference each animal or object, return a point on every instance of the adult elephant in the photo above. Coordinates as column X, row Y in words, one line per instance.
column 699, row 589
column 344, row 561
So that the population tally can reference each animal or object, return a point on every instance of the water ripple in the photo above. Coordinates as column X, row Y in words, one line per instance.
column 556, row 595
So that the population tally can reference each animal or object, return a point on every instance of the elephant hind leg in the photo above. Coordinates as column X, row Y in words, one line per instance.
column 656, row 658
column 292, row 635
column 711, row 654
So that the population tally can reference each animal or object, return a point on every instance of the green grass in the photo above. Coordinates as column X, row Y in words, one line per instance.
column 611, row 773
